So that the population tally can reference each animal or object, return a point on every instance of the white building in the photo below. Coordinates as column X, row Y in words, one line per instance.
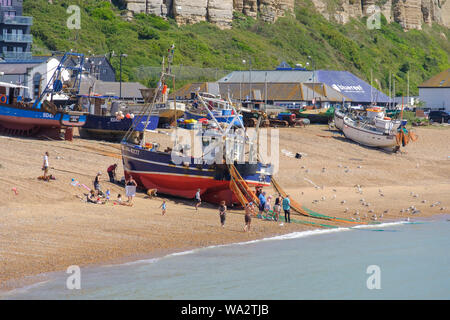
column 435, row 92
column 39, row 76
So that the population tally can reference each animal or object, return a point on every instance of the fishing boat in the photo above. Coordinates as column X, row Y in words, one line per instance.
column 211, row 168
column 111, row 123
column 20, row 116
column 222, row 110
column 339, row 115
column 167, row 111
column 321, row 116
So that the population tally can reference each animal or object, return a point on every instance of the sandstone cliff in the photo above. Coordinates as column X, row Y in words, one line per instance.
column 219, row 12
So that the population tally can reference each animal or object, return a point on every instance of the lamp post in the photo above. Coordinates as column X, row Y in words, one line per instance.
column 314, row 77
column 122, row 55
column 250, row 76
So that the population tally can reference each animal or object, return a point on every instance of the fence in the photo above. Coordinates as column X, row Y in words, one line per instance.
column 182, row 73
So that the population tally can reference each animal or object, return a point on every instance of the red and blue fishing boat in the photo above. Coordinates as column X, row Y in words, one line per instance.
column 173, row 173
column 43, row 117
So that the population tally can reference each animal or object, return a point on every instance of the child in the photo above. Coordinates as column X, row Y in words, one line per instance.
column 249, row 210
column 163, row 207
column 222, row 213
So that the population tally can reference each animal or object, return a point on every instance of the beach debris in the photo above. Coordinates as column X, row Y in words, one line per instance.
column 359, row 167
column 370, row 211
column 361, row 200
column 415, row 212
column 307, row 170
column 386, row 211
column 303, row 167
column 15, row 191
column 347, row 171
column 416, row 196
column 333, row 197
column 287, row 153
column 340, row 165
column 315, row 185
column 334, row 190
column 381, row 195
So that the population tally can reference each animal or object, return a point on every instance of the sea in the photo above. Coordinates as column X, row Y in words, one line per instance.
column 396, row 260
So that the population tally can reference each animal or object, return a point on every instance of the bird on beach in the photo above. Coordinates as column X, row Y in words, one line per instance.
column 334, row 190
column 343, row 201
column 424, row 201
column 374, row 217
column 333, row 197
column 346, row 210
column 367, row 204
column 402, row 211
column 386, row 211
column 370, row 211
column 356, row 213
column 443, row 208
column 381, row 195
column 323, row 198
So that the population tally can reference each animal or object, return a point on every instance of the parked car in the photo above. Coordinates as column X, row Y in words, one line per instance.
column 439, row 116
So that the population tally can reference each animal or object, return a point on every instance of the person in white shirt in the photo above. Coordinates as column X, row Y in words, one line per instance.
column 45, row 165
column 197, row 199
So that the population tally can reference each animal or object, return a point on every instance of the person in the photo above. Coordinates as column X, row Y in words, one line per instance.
column 277, row 207
column 119, row 199
column 97, row 183
column 112, row 172
column 92, row 198
column 45, row 165
column 287, row 209
column 267, row 207
column 197, row 199
column 222, row 213
column 262, row 202
column 130, row 188
column 163, row 207
column 248, row 216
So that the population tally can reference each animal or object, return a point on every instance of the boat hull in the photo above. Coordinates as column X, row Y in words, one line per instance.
column 35, row 122
column 224, row 119
column 155, row 170
column 338, row 120
column 109, row 128
column 367, row 138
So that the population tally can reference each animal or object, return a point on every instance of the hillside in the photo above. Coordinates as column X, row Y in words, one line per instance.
column 293, row 38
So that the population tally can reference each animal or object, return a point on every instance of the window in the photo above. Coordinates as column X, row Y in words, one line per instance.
column 5, row 3
column 36, row 84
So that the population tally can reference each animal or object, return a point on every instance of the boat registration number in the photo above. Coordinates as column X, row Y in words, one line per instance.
column 74, row 118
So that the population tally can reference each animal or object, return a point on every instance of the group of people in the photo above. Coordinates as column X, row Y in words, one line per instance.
column 265, row 206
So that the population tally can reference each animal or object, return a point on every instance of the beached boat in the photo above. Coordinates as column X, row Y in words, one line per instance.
column 321, row 116
column 210, row 169
column 339, row 115
column 111, row 123
column 168, row 111
column 382, row 134
column 43, row 117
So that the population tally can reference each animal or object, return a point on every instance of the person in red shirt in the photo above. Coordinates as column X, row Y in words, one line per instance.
column 112, row 172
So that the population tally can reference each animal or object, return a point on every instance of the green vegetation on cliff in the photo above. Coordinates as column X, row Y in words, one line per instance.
column 351, row 47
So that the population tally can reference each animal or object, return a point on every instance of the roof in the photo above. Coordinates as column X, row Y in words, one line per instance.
column 441, row 80
column 351, row 86
column 283, row 91
column 130, row 90
column 268, row 76
column 17, row 68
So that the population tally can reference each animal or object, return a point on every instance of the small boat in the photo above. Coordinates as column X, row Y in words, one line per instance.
column 383, row 133
column 321, row 116
column 44, row 117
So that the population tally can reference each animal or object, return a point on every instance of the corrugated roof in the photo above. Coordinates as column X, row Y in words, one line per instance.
column 441, row 80
column 275, row 91
column 130, row 90
column 269, row 76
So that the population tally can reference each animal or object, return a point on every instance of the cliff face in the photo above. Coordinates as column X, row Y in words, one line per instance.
column 410, row 14
column 219, row 12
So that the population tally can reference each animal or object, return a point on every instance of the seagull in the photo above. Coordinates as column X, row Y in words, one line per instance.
column 424, row 201
column 334, row 190
column 346, row 209
column 382, row 195
column 443, row 208
column 323, row 198
column 333, row 197
column 356, row 213
column 370, row 211
column 343, row 201
column 386, row 211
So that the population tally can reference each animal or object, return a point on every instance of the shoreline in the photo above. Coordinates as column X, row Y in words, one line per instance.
column 150, row 257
